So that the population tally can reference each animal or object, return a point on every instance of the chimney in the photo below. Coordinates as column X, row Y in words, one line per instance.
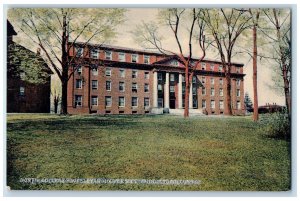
column 38, row 51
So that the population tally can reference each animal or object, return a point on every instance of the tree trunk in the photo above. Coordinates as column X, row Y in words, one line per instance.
column 255, row 108
column 64, row 95
column 287, row 90
column 228, row 109
column 65, row 69
column 187, row 92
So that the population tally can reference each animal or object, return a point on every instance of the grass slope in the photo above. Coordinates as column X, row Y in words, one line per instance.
column 226, row 154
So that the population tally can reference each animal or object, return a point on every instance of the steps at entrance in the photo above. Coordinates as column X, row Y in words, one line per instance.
column 192, row 112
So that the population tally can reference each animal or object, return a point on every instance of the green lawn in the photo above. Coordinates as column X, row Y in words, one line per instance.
column 225, row 154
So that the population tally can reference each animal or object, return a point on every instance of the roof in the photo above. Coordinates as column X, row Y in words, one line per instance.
column 134, row 50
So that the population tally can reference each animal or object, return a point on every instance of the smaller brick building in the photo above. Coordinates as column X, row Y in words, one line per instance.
column 108, row 79
column 28, row 79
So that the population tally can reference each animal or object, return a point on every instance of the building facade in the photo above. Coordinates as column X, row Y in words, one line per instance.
column 28, row 79
column 115, row 80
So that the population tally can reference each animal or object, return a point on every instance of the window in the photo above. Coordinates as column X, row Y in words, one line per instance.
column 94, row 100
column 212, row 67
column 221, row 81
column 172, row 89
column 194, row 79
column 238, row 105
column 121, row 56
column 172, row 77
column 108, row 55
column 220, row 68
column 108, row 72
column 95, row 71
column 146, row 59
column 79, row 51
column 134, row 101
column 160, row 102
column 221, row 104
column 22, row 91
column 134, row 58
column 146, row 88
column 159, row 87
column 121, row 86
column 203, row 65
column 122, row 73
column 159, row 76
column 78, row 100
column 183, row 78
column 238, row 93
column 78, row 83
column 203, row 91
column 203, row 103
column 212, row 104
column 195, row 102
column 79, row 69
column 121, row 101
column 108, row 101
column 174, row 63
column 203, row 80
column 134, row 74
column 237, row 70
column 212, row 80
column 94, row 54
column 221, row 92
column 146, row 75
column 194, row 91
column 212, row 91
column 94, row 84
column 146, row 102
column 108, row 85
column 238, row 82
column 134, row 87
column 22, row 75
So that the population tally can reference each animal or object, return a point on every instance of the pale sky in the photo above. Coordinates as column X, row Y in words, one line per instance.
column 126, row 39
column 265, row 94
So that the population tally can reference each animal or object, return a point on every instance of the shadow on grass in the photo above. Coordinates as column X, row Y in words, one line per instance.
column 69, row 123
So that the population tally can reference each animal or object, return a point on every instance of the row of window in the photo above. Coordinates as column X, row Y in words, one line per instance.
column 134, row 88
column 134, row 85
column 108, row 101
column 108, row 55
column 108, row 73
column 159, row 76
column 221, row 104
column 212, row 92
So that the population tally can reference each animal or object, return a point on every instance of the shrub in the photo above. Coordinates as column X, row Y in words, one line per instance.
column 278, row 125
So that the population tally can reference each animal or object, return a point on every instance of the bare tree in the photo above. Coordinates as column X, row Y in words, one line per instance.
column 225, row 26
column 148, row 35
column 280, row 22
column 57, row 30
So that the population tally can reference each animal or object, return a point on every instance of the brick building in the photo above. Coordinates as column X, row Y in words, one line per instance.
column 116, row 80
column 28, row 78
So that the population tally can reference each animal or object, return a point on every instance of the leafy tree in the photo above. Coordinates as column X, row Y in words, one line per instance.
column 176, row 20
column 225, row 26
column 26, row 65
column 56, row 30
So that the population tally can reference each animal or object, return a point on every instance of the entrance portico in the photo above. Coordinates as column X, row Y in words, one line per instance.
column 172, row 91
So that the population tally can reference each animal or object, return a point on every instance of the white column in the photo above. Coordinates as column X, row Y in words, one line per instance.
column 167, row 92
column 180, row 91
column 191, row 95
column 155, row 96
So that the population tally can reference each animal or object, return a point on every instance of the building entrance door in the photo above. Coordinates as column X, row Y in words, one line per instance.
column 172, row 103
